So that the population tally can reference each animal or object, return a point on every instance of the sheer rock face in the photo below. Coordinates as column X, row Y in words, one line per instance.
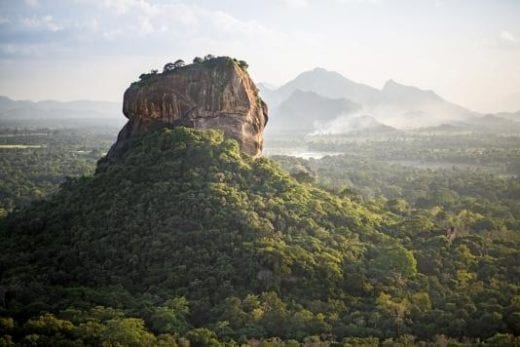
column 215, row 94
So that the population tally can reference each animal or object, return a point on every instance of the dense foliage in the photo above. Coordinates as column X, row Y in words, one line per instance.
column 34, row 162
column 186, row 239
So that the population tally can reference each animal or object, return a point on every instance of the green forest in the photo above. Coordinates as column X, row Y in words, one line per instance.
column 222, row 249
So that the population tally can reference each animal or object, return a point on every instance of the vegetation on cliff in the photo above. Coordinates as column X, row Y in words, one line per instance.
column 186, row 239
column 208, row 61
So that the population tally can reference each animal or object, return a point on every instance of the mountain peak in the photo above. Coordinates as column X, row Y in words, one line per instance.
column 330, row 84
column 320, row 69
column 390, row 84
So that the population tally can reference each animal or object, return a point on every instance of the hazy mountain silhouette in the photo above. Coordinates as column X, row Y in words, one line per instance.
column 326, row 83
column 514, row 116
column 305, row 110
column 51, row 113
column 410, row 107
column 396, row 105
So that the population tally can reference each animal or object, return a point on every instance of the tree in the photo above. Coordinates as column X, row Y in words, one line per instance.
column 172, row 66
column 396, row 309
column 209, row 57
column 48, row 324
column 127, row 332
column 243, row 64
column 197, row 60
column 203, row 337
column 398, row 206
column 171, row 318
column 394, row 258
column 169, row 67
column 303, row 177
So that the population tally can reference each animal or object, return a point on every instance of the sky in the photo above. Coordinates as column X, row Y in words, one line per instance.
column 468, row 51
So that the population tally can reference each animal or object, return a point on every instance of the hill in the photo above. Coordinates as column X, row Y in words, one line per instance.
column 207, row 224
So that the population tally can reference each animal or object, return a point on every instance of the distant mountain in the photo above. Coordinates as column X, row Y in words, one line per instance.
column 493, row 123
column 326, row 83
column 483, row 124
column 51, row 108
column 404, row 106
column 396, row 105
column 406, row 95
column 308, row 111
column 267, row 92
column 514, row 116
column 9, row 104
column 50, row 113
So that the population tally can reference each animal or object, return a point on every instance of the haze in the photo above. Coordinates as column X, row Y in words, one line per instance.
column 468, row 51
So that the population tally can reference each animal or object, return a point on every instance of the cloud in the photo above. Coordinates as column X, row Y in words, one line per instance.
column 40, row 23
column 305, row 3
column 32, row 3
column 359, row 1
column 439, row 3
column 507, row 36
column 138, row 27
column 121, row 7
column 295, row 3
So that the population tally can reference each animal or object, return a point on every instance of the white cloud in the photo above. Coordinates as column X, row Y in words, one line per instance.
column 295, row 3
column 112, row 35
column 121, row 7
column 32, row 3
column 359, row 1
column 304, row 3
column 41, row 23
column 507, row 36
column 146, row 26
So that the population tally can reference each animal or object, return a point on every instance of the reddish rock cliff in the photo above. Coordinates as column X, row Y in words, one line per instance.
column 213, row 94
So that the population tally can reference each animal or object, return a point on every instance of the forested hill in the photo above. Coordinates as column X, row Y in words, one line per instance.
column 184, row 238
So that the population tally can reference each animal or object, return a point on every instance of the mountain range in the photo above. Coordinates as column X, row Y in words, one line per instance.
column 316, row 101
column 51, row 113
column 316, row 97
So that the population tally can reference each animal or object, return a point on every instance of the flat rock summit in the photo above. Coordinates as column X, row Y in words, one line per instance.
column 214, row 92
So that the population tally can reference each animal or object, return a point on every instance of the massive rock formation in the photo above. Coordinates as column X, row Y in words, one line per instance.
column 216, row 93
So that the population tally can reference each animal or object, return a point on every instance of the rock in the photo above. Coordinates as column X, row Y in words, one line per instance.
column 216, row 93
